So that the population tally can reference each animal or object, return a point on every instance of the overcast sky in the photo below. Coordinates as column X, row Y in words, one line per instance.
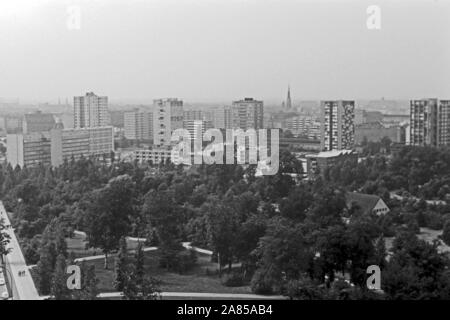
column 220, row 50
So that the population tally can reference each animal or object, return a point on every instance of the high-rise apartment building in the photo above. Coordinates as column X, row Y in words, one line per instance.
column 193, row 115
column 337, row 125
column 444, row 123
column 90, row 111
column 248, row 114
column 138, row 124
column 306, row 126
column 197, row 128
column 430, row 122
column 167, row 117
column 222, row 117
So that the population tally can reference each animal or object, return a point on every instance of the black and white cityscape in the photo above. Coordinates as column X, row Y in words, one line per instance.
column 224, row 150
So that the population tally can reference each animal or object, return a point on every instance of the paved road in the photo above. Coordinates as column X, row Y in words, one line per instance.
column 200, row 295
column 102, row 256
column 24, row 285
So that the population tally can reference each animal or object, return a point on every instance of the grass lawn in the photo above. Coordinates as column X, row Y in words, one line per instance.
column 196, row 280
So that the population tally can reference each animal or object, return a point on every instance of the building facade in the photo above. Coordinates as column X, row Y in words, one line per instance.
column 28, row 149
column 248, row 114
column 167, row 117
column 430, row 122
column 375, row 132
column 90, row 111
column 197, row 128
column 154, row 155
column 337, row 125
column 306, row 126
column 444, row 123
column 222, row 118
column 317, row 164
column 138, row 124
column 77, row 143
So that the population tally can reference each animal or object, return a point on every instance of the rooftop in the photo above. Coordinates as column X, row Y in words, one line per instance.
column 365, row 201
column 330, row 154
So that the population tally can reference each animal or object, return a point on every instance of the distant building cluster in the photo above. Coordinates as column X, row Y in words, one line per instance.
column 320, row 134
column 44, row 141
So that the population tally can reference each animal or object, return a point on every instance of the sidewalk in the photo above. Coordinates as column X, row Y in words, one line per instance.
column 24, row 286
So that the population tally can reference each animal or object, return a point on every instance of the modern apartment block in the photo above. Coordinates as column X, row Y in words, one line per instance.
column 58, row 144
column 430, row 122
column 444, row 123
column 222, row 118
column 248, row 114
column 193, row 115
column 75, row 143
column 138, row 124
column 167, row 117
column 337, row 125
column 38, row 122
column 28, row 149
column 197, row 127
column 90, row 111
column 306, row 126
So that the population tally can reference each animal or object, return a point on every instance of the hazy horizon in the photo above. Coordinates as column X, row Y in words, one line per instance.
column 218, row 51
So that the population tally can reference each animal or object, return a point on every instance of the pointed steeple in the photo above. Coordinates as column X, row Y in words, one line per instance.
column 288, row 99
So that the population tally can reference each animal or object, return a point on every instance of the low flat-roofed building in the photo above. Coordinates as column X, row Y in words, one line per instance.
column 320, row 162
column 299, row 144
column 154, row 155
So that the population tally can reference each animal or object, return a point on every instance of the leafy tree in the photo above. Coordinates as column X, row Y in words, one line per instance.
column 139, row 258
column 45, row 267
column 222, row 225
column 416, row 270
column 121, row 264
column 59, row 288
column 108, row 216
column 89, row 281
column 4, row 241
column 146, row 288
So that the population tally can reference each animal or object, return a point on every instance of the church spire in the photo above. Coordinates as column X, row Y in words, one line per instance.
column 288, row 99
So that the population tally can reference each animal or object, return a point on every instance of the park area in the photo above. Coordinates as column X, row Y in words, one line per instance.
column 203, row 277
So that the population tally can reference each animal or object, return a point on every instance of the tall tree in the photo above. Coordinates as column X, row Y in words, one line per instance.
column 59, row 288
column 109, row 214
column 121, row 264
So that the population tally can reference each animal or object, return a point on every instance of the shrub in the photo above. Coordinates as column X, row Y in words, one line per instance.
column 234, row 279
column 434, row 220
column 261, row 283
column 185, row 260
column 305, row 289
